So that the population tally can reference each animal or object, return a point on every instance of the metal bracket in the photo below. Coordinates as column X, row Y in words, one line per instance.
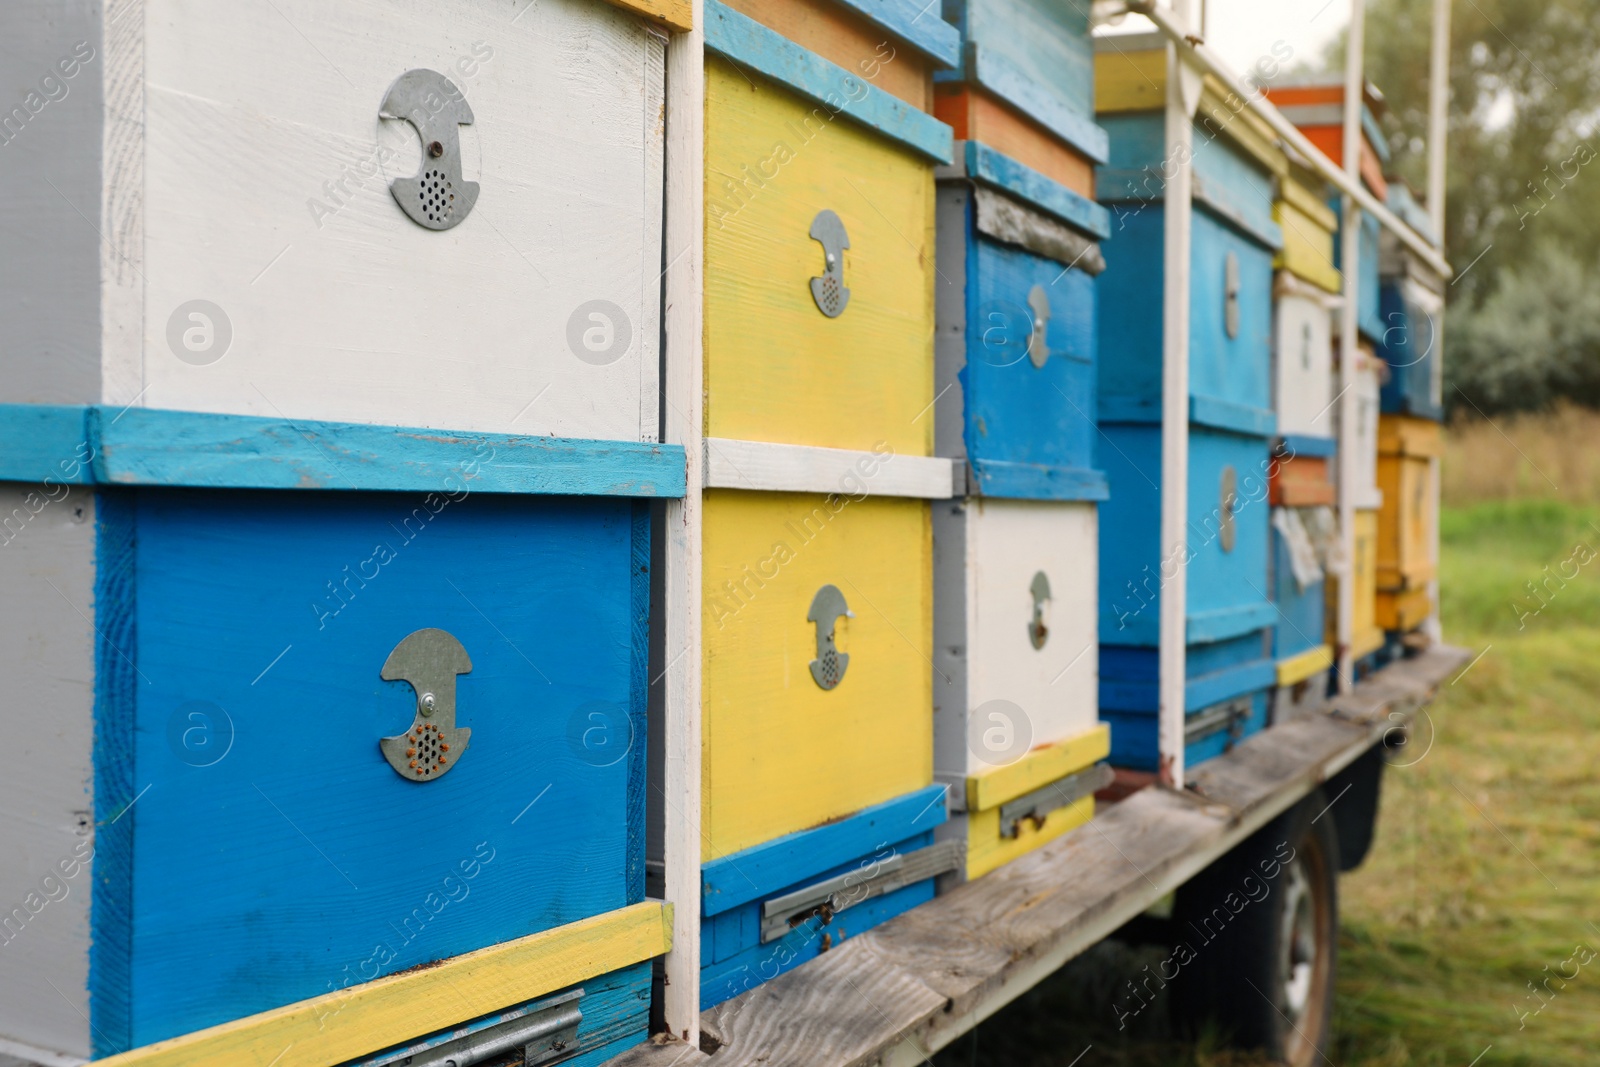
column 827, row 670
column 1229, row 715
column 1039, row 305
column 829, row 290
column 546, row 1031
column 429, row 660
column 1038, row 632
column 438, row 197
column 1037, row 805
column 1230, row 295
column 1228, row 495
column 831, row 896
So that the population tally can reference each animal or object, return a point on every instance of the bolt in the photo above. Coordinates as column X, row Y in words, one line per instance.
column 435, row 149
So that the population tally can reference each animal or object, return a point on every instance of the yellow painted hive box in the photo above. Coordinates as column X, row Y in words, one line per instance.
column 1366, row 636
column 1407, row 448
column 782, row 752
column 795, row 197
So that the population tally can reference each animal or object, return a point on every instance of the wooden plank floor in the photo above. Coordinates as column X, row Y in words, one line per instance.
column 909, row 987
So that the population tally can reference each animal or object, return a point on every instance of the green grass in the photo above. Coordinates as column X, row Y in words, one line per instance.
column 1486, row 868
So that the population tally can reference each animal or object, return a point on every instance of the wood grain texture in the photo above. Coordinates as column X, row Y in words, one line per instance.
column 772, row 866
column 278, row 110
column 678, row 628
column 984, row 653
column 777, row 369
column 732, row 464
column 1036, row 55
column 379, row 1013
column 982, row 163
column 914, row 984
column 751, row 46
column 47, row 562
column 975, row 114
column 158, row 447
column 1045, row 764
column 662, row 1050
column 675, row 15
column 125, row 258
column 849, row 40
column 781, row 753
column 249, row 609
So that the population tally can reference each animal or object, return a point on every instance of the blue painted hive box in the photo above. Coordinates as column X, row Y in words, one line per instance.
column 1231, row 424
column 340, row 735
column 1016, row 343
column 1411, row 297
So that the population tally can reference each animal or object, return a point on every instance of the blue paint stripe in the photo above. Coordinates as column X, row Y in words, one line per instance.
column 767, row 868
column 1228, row 415
column 984, row 164
column 1219, row 624
column 915, row 22
column 748, row 43
column 1301, row 444
column 1374, row 132
column 639, row 709
column 1231, row 206
column 1142, row 696
column 1037, row 481
column 45, row 443
column 115, row 785
column 1044, row 105
column 145, row 446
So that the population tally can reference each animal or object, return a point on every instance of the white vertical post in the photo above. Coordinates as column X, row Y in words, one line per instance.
column 680, row 612
column 1438, row 113
column 1438, row 134
column 1175, row 408
column 1349, row 351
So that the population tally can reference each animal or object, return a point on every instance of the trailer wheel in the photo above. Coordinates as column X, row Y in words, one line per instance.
column 1262, row 924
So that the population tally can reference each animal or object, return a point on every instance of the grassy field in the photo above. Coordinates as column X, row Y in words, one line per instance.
column 1485, row 877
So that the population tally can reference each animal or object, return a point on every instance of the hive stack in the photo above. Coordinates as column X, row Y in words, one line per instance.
column 1304, row 530
column 818, row 799
column 1016, row 735
column 1409, row 437
column 1316, row 107
column 337, row 606
column 1230, row 618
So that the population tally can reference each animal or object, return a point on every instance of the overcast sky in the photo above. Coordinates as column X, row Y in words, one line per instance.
column 1242, row 31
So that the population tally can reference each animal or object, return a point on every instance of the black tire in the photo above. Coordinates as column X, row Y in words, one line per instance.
column 1262, row 928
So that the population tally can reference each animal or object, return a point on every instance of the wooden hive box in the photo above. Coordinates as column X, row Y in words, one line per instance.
column 1367, row 636
column 338, row 469
column 1016, row 734
column 817, row 790
column 1316, row 107
column 1231, row 422
column 1412, row 299
column 1301, row 486
column 1408, row 447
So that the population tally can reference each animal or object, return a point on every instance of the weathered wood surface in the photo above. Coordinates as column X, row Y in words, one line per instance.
column 912, row 985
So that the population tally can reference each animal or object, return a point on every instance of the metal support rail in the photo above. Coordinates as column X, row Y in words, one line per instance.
column 1184, row 40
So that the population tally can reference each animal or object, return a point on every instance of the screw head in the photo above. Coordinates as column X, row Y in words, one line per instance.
column 435, row 149
column 428, row 703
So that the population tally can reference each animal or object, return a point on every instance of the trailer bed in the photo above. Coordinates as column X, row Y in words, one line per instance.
column 901, row 991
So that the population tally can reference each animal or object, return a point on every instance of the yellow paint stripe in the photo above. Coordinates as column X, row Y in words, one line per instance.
column 1130, row 81
column 1037, row 769
column 1308, row 203
column 353, row 1022
column 1299, row 668
column 1364, row 644
column 673, row 14
column 1241, row 125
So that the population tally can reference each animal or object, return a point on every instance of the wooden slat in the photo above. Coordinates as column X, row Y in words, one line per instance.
column 661, row 1051
column 413, row 1003
column 675, row 15
column 911, row 986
